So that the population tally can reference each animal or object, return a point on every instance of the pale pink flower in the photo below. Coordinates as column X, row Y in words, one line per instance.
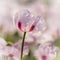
column 12, row 52
column 2, row 42
column 9, row 52
column 27, row 46
column 25, row 21
column 45, row 52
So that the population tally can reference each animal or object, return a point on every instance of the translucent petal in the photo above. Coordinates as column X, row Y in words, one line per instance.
column 40, row 24
column 23, row 20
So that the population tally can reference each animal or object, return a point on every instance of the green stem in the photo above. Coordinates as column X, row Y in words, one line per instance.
column 22, row 47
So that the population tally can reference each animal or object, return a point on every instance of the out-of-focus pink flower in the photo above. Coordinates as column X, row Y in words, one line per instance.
column 2, row 42
column 8, row 53
column 26, row 47
column 45, row 52
column 46, row 38
column 12, row 52
column 26, row 22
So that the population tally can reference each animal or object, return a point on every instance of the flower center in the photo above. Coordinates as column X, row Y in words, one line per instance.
column 10, row 55
column 44, row 57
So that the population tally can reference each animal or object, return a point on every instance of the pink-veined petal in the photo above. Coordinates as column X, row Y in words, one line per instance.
column 40, row 24
column 23, row 20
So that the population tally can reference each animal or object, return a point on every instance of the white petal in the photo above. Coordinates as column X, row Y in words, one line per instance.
column 2, row 42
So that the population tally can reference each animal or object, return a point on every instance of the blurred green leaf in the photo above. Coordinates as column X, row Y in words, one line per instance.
column 12, row 38
column 57, row 42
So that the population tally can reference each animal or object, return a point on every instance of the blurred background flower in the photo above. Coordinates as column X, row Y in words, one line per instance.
column 46, row 52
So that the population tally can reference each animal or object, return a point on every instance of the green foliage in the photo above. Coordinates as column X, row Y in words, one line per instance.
column 57, row 42
column 12, row 38
column 46, row 2
column 29, row 56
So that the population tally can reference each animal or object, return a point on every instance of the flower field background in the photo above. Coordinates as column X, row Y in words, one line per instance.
column 29, row 29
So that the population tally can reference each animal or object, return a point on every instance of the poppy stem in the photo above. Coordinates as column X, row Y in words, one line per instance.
column 22, row 47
